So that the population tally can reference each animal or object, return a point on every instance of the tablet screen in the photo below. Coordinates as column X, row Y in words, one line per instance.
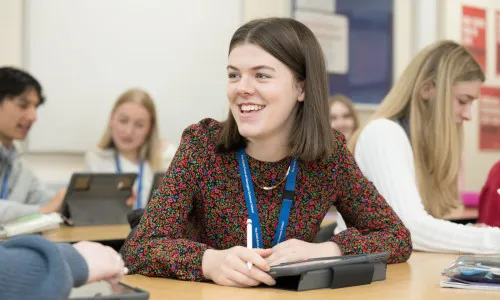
column 101, row 288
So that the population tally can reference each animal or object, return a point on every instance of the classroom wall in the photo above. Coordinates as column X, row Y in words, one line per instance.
column 404, row 44
column 264, row 8
column 11, row 32
column 411, row 32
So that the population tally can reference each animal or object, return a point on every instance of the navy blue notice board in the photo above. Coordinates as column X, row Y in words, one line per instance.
column 369, row 75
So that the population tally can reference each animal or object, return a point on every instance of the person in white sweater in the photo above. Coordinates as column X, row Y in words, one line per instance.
column 131, row 143
column 411, row 150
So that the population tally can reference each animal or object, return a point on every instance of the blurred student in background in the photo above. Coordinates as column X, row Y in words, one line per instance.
column 489, row 198
column 344, row 119
column 21, row 192
column 412, row 148
column 343, row 115
column 131, row 143
column 277, row 154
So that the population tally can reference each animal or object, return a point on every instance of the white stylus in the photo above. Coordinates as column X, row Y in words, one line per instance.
column 498, row 192
column 249, row 240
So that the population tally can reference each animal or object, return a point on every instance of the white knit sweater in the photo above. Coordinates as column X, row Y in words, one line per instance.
column 384, row 154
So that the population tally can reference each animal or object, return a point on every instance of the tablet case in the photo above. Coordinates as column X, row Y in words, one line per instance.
column 98, row 198
column 342, row 275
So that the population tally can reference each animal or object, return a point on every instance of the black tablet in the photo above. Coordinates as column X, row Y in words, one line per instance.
column 98, row 198
column 299, row 267
column 103, row 290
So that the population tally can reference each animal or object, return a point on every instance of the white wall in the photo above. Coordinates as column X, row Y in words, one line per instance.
column 266, row 8
column 84, row 65
column 11, row 32
column 57, row 167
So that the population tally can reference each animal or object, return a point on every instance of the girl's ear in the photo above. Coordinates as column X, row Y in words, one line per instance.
column 301, row 90
column 428, row 90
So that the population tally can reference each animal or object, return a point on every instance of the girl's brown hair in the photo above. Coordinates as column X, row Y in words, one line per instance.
column 294, row 44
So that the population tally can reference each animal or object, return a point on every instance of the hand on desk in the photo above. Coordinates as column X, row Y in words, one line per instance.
column 297, row 250
column 229, row 267
column 103, row 262
column 55, row 203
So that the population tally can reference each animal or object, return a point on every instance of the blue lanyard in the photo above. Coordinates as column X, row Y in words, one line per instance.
column 138, row 203
column 5, row 184
column 286, row 205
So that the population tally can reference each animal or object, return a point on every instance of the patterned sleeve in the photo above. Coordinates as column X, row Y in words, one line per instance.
column 372, row 225
column 161, row 247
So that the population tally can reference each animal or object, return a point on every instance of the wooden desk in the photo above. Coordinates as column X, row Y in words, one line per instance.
column 417, row 279
column 88, row 233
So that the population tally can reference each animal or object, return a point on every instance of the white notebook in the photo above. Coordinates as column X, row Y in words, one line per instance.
column 31, row 224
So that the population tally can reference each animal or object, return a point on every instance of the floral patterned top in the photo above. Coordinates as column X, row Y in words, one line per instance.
column 200, row 204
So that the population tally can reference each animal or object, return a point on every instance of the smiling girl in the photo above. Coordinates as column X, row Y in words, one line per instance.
column 274, row 160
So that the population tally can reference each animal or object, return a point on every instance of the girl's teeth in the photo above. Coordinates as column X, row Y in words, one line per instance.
column 251, row 107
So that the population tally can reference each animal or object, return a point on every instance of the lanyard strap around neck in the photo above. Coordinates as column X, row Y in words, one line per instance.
column 138, row 203
column 288, row 197
column 5, row 184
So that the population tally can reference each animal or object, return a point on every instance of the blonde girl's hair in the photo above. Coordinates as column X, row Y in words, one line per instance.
column 436, row 139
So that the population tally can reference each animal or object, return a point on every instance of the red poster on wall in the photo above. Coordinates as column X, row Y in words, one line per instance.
column 497, row 24
column 474, row 32
column 489, row 119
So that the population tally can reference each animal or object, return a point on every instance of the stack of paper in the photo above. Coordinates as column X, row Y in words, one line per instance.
column 451, row 283
column 473, row 273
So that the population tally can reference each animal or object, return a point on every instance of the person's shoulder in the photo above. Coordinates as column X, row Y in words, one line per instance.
column 339, row 152
column 382, row 127
column 496, row 166
column 168, row 149
column 375, row 129
column 205, row 126
column 381, row 131
column 99, row 154
column 495, row 171
column 382, row 134
column 205, row 132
